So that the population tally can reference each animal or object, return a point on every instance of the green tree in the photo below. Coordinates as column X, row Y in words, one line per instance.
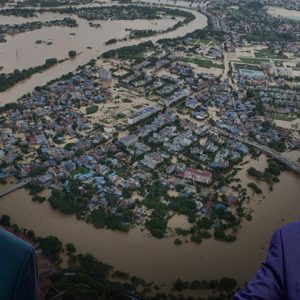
column 5, row 220
column 72, row 53
column 51, row 247
column 70, row 248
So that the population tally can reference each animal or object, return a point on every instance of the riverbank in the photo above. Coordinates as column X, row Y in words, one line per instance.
column 160, row 260
column 21, row 51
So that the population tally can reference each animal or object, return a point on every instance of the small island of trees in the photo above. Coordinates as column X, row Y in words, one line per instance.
column 72, row 53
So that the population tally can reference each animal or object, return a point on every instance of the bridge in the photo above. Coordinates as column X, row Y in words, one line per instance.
column 14, row 187
column 292, row 165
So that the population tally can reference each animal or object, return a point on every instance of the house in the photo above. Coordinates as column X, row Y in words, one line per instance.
column 129, row 140
column 200, row 115
column 232, row 200
column 153, row 159
column 198, row 176
column 176, row 168
column 143, row 114
column 220, row 206
column 192, row 103
column 45, row 179
column 105, row 75
column 251, row 74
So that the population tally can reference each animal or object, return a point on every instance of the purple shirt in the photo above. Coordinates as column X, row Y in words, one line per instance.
column 279, row 277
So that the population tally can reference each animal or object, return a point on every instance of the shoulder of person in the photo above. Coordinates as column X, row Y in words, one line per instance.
column 10, row 242
column 14, row 256
column 291, row 228
column 290, row 234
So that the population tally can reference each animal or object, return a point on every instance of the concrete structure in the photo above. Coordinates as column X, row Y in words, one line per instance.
column 14, row 187
column 143, row 114
column 179, row 95
column 105, row 75
column 251, row 74
column 198, row 176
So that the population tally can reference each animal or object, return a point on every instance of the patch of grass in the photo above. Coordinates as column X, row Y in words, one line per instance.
column 234, row 12
column 106, row 121
column 269, row 53
column 278, row 63
column 204, row 63
column 196, row 41
column 92, row 109
column 254, row 61
column 254, row 187
column 80, row 170
column 247, row 66
column 285, row 117
column 126, row 100
column 137, row 106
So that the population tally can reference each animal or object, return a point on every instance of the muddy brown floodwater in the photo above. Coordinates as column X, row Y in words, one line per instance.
column 21, row 51
column 160, row 260
column 136, row 252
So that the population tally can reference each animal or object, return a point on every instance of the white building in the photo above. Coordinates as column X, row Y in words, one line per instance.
column 143, row 114
column 105, row 75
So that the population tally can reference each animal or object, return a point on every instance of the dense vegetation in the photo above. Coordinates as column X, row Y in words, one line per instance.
column 204, row 63
column 121, row 220
column 225, row 284
column 111, row 41
column 51, row 247
column 12, row 106
column 270, row 174
column 92, row 109
column 128, row 52
column 72, row 53
column 136, row 33
column 71, row 201
column 157, row 224
column 254, row 187
column 9, row 80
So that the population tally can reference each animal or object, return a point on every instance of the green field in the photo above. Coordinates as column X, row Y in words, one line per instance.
column 269, row 53
column 204, row 63
column 254, row 61
column 245, row 66
column 285, row 117
column 197, row 41
column 234, row 12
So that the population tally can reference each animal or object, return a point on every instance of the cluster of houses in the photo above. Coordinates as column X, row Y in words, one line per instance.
column 143, row 114
column 255, row 25
column 54, row 142
column 280, row 100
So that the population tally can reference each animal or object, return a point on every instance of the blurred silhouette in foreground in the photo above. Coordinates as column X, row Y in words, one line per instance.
column 279, row 277
column 18, row 269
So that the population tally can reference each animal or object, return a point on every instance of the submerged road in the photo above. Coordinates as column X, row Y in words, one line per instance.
column 292, row 165
column 14, row 187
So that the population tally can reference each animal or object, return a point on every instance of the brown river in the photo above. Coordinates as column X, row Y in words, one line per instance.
column 160, row 260
column 21, row 51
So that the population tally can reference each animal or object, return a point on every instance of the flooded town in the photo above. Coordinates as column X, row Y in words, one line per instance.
column 151, row 147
